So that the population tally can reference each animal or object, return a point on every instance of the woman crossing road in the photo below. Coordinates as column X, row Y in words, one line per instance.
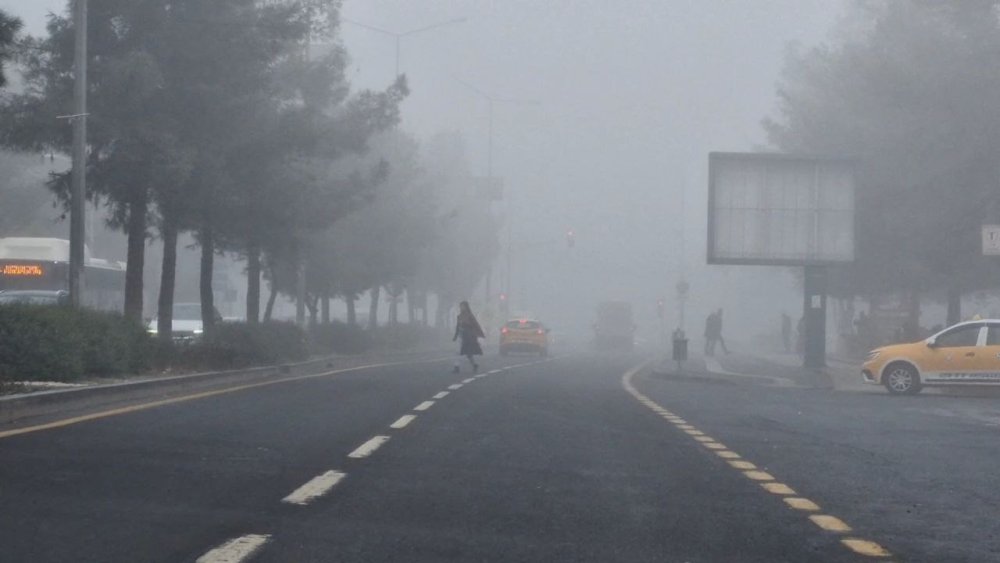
column 467, row 327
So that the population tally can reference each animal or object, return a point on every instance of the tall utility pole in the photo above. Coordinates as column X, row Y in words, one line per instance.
column 491, row 100
column 399, row 35
column 78, row 190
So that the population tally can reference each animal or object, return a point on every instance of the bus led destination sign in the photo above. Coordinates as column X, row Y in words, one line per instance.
column 22, row 270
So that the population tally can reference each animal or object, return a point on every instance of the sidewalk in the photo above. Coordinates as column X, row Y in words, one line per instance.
column 765, row 368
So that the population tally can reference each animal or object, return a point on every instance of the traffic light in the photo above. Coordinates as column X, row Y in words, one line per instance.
column 571, row 238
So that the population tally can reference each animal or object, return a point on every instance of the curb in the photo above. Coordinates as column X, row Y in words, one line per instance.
column 15, row 408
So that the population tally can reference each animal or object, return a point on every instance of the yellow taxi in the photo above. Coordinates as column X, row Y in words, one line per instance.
column 524, row 335
column 967, row 353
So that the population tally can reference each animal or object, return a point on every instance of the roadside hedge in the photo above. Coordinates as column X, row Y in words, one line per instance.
column 42, row 343
column 238, row 345
column 62, row 344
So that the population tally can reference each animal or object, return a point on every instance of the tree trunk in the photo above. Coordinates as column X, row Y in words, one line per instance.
column 373, row 308
column 409, row 307
column 205, row 278
column 253, row 284
column 352, row 315
column 271, row 298
column 136, row 231
column 168, row 277
column 954, row 305
column 393, row 305
column 325, row 303
column 312, row 304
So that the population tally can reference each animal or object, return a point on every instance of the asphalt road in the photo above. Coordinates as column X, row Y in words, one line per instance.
column 576, row 458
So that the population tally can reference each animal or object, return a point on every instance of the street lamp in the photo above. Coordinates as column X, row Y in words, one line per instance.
column 491, row 99
column 398, row 36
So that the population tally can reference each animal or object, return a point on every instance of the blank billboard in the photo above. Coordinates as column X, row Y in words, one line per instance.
column 777, row 209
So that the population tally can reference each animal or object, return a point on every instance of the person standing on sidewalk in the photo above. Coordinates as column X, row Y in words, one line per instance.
column 467, row 328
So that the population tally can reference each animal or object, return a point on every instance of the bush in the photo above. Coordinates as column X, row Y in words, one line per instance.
column 340, row 338
column 63, row 344
column 237, row 345
column 406, row 336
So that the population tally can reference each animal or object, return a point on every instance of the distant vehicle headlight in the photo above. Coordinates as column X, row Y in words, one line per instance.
column 197, row 331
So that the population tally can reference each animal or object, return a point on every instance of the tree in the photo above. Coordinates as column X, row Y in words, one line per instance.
column 908, row 88
column 9, row 27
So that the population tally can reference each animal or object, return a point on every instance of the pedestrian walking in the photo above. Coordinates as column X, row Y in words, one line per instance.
column 786, row 332
column 718, row 331
column 467, row 328
column 710, row 334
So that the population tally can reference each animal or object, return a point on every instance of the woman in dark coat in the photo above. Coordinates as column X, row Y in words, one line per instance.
column 467, row 327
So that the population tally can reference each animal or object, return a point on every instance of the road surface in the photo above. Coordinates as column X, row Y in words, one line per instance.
column 581, row 457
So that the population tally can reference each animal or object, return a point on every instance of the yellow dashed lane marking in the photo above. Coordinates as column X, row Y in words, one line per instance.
column 766, row 480
column 759, row 475
column 799, row 503
column 865, row 547
column 778, row 488
column 830, row 523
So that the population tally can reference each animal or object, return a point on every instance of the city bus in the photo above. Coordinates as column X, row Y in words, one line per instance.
column 42, row 264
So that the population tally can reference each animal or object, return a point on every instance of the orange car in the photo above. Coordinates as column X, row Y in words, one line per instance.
column 524, row 335
column 964, row 354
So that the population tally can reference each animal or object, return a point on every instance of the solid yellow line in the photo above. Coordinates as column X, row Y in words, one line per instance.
column 728, row 455
column 759, row 475
column 865, row 547
column 714, row 445
column 145, row 406
column 739, row 464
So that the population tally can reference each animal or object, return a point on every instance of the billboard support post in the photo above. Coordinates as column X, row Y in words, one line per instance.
column 814, row 318
column 767, row 209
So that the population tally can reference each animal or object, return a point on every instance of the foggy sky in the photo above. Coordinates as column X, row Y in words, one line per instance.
column 632, row 95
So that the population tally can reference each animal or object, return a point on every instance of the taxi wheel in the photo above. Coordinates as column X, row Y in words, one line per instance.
column 901, row 379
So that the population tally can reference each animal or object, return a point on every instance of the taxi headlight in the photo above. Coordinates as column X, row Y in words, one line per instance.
column 873, row 355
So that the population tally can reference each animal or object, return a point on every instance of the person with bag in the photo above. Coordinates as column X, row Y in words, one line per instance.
column 467, row 328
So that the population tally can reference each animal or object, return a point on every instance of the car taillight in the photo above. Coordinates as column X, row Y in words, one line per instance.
column 540, row 331
column 504, row 330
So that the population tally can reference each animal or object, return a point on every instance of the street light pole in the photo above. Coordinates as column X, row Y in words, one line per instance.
column 399, row 35
column 78, row 192
column 491, row 100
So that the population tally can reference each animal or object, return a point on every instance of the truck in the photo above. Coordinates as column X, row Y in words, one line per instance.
column 614, row 329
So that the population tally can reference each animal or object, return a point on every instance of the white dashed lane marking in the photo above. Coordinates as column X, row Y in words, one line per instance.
column 315, row 488
column 441, row 395
column 455, row 386
column 424, row 406
column 468, row 380
column 403, row 421
column 236, row 550
column 369, row 447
